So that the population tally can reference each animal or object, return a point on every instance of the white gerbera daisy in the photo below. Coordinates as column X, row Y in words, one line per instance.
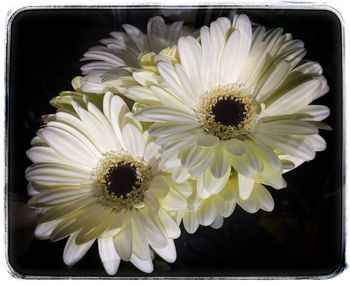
column 96, row 176
column 236, row 98
column 124, row 49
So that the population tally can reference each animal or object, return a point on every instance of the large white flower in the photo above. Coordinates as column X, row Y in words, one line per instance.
column 96, row 176
column 124, row 49
column 237, row 97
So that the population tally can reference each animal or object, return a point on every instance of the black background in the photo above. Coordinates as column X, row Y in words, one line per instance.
column 304, row 234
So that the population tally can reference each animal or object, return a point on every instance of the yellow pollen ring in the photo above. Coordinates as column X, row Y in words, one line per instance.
column 205, row 116
column 136, row 195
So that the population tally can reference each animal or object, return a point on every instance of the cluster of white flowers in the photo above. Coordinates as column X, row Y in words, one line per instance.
column 213, row 117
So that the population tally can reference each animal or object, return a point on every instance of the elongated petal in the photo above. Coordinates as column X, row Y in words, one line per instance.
column 144, row 265
column 133, row 140
column 245, row 186
column 162, row 114
column 152, row 228
column 171, row 229
column 168, row 252
column 295, row 99
column 207, row 183
column 235, row 147
column 123, row 240
column 73, row 253
column 190, row 222
column 108, row 255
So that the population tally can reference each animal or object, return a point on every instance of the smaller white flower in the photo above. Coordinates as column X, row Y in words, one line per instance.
column 209, row 208
column 96, row 177
column 106, row 62
column 211, row 211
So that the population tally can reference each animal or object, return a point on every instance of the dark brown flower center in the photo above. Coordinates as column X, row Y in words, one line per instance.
column 229, row 111
column 121, row 179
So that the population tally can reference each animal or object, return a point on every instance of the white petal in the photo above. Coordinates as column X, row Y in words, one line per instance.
column 260, row 199
column 169, row 74
column 163, row 129
column 168, row 100
column 180, row 174
column 137, row 37
column 189, row 52
column 190, row 222
column 117, row 113
column 52, row 173
column 108, row 255
column 70, row 146
column 156, row 30
column 245, row 186
column 62, row 210
column 207, row 183
column 218, row 222
column 152, row 228
column 43, row 231
column 168, row 252
column 193, row 155
column 179, row 145
column 140, row 94
column 145, row 78
column 134, row 140
column 315, row 112
column 317, row 142
column 159, row 187
column 207, row 213
column 144, row 265
column 73, row 125
column 295, row 146
column 226, row 208
column 57, row 196
column 181, row 136
column 206, row 54
column 106, row 57
column 235, row 147
column 174, row 201
column 187, row 85
column 44, row 154
column 309, row 67
column 95, row 130
column 152, row 153
column 229, row 70
column 107, row 129
column 265, row 199
column 295, row 99
column 272, row 80
column 207, row 140
column 171, row 229
column 219, row 166
column 236, row 51
column 73, row 253
column 123, row 240
column 288, row 127
column 140, row 247
column 163, row 114
column 203, row 165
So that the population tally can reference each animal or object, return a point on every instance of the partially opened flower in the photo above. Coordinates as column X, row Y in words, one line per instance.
column 212, row 210
column 96, row 176
column 236, row 98
column 105, row 69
